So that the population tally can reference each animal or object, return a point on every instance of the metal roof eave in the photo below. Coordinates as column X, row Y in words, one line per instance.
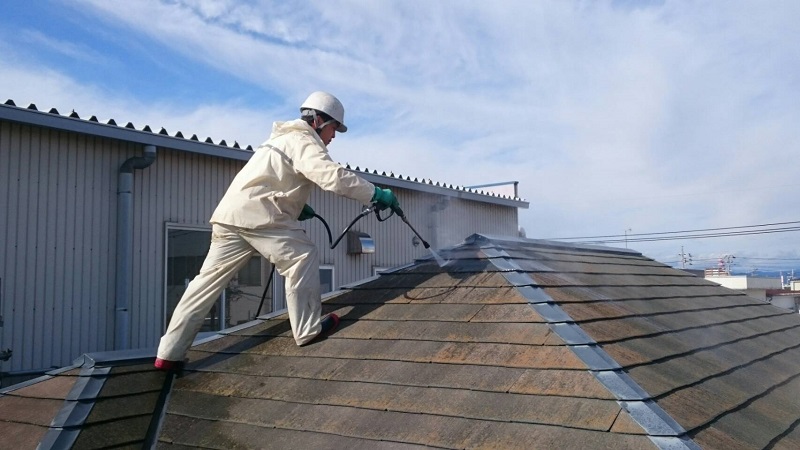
column 64, row 123
column 441, row 190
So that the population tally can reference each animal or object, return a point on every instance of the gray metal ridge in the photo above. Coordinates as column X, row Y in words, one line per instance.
column 58, row 439
column 674, row 443
column 534, row 294
column 652, row 418
column 72, row 414
column 440, row 187
column 494, row 252
column 111, row 130
column 621, row 385
column 65, row 426
column 497, row 240
column 128, row 133
column 519, row 279
column 660, row 427
column 115, row 357
column 595, row 358
column 88, row 384
column 15, row 387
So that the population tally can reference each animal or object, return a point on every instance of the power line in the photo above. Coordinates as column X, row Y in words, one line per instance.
column 702, row 233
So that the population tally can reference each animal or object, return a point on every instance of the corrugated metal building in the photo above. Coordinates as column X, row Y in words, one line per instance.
column 61, row 193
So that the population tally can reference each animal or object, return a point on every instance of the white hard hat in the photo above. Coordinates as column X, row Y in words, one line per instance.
column 327, row 103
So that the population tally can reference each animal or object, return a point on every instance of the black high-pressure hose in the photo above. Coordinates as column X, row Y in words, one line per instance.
column 374, row 208
column 333, row 245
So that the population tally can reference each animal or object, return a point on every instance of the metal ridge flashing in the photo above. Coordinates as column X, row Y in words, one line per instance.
column 14, row 387
column 440, row 188
column 660, row 427
column 128, row 133
column 496, row 241
column 113, row 131
column 78, row 404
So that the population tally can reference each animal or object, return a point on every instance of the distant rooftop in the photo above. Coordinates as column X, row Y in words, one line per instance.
column 162, row 138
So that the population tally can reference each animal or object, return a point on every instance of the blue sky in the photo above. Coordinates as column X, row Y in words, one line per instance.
column 647, row 116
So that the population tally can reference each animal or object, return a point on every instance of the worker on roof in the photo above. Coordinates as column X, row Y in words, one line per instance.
column 260, row 213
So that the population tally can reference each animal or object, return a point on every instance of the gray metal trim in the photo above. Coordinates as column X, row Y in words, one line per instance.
column 554, row 315
column 652, row 418
column 505, row 265
column 674, row 443
column 157, row 421
column 77, row 125
column 78, row 404
column 208, row 339
column 88, row 385
column 117, row 356
column 24, row 384
column 661, row 428
column 387, row 180
column 621, row 385
column 72, row 414
column 595, row 358
column 493, row 252
column 61, row 370
column 58, row 439
column 270, row 315
column 534, row 295
column 241, row 327
column 59, row 122
column 519, row 279
column 571, row 333
column 549, row 243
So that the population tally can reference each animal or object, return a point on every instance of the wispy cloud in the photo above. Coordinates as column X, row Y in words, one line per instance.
column 612, row 114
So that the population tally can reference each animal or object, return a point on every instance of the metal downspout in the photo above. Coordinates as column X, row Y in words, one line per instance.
column 122, row 338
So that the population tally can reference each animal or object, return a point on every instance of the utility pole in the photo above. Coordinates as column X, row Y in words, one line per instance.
column 685, row 258
column 725, row 263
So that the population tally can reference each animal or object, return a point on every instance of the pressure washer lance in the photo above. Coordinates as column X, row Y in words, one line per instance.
column 399, row 212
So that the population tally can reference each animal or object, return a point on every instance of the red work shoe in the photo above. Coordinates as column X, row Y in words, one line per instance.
column 167, row 365
column 329, row 323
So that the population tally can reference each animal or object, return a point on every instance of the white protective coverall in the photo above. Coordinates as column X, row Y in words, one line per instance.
column 258, row 213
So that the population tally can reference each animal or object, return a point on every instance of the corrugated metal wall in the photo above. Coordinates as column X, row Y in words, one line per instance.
column 57, row 260
column 58, row 230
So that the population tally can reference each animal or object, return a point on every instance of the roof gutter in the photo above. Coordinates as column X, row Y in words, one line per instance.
column 122, row 337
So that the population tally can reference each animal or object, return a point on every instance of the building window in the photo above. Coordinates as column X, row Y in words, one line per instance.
column 186, row 249
column 326, row 279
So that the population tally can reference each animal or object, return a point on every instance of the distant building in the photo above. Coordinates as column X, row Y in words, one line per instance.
column 784, row 298
column 755, row 287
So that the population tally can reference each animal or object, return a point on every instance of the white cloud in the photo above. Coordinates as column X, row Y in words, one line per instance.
column 612, row 115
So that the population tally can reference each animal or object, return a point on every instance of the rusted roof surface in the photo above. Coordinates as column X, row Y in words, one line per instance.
column 99, row 402
column 514, row 343
column 452, row 357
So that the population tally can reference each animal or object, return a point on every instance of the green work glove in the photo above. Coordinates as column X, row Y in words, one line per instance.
column 306, row 213
column 385, row 199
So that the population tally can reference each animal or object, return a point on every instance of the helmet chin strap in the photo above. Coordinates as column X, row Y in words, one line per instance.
column 314, row 118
